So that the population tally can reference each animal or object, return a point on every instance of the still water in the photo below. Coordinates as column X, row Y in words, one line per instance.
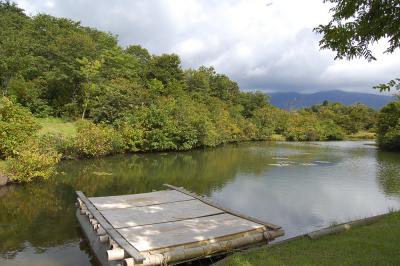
column 300, row 186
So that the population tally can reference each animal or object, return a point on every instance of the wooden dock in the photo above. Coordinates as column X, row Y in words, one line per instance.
column 165, row 227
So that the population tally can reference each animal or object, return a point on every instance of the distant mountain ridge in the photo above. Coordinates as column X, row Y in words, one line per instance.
column 295, row 100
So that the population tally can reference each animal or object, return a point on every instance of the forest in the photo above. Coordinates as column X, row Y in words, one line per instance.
column 125, row 99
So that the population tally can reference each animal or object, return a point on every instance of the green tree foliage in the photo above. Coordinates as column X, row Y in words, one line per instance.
column 16, row 52
column 265, row 120
column 389, row 127
column 115, row 98
column 143, row 58
column 329, row 121
column 180, row 123
column 17, row 125
column 165, row 68
column 356, row 24
column 135, row 101
column 44, row 50
column 252, row 102
column 207, row 80
column 331, row 130
column 33, row 160
column 140, row 53
column 96, row 140
column 303, row 126
column 90, row 71
column 352, row 118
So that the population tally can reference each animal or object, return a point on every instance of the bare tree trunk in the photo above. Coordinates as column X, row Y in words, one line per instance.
column 84, row 111
column 86, row 99
column 5, row 85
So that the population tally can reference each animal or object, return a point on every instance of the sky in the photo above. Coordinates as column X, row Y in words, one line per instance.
column 264, row 45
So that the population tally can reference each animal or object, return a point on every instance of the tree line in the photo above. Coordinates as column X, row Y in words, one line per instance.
column 128, row 100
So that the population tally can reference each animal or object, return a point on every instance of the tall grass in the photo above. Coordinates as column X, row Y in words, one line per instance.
column 57, row 126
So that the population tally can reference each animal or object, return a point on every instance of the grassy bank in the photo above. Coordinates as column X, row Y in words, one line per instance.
column 361, row 135
column 66, row 128
column 374, row 244
column 57, row 126
column 33, row 146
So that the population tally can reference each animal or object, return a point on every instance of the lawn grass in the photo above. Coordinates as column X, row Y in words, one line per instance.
column 374, row 244
column 57, row 126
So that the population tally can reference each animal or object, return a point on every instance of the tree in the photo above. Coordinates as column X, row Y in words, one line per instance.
column 356, row 24
column 139, row 53
column 165, row 68
column 116, row 63
column 389, row 127
column 17, row 125
column 16, row 56
column 198, row 80
column 90, row 71
column 252, row 101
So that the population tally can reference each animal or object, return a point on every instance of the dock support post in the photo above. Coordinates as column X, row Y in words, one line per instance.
column 115, row 254
column 103, row 238
column 128, row 262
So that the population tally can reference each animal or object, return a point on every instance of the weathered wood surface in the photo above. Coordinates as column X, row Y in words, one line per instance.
column 227, row 210
column 138, row 200
column 129, row 249
column 95, row 245
column 161, row 213
column 152, row 227
column 151, row 237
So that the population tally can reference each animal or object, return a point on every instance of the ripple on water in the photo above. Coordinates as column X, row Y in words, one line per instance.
column 300, row 186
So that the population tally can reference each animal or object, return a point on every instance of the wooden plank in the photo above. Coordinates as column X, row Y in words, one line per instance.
column 163, row 235
column 137, row 200
column 114, row 234
column 182, row 190
column 160, row 213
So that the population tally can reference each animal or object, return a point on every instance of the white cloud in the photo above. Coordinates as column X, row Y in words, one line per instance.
column 260, row 45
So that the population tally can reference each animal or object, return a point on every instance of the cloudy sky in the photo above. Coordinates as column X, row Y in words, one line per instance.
column 262, row 44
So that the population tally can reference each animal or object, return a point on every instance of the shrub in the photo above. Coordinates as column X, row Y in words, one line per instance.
column 132, row 138
column 362, row 135
column 16, row 126
column 389, row 127
column 227, row 130
column 63, row 144
column 96, row 140
column 28, row 93
column 265, row 123
column 391, row 140
column 249, row 130
column 34, row 159
column 303, row 127
column 331, row 131
column 189, row 122
column 208, row 134
column 159, row 140
column 160, row 125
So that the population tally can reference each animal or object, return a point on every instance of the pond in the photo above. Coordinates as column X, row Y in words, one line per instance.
column 300, row 186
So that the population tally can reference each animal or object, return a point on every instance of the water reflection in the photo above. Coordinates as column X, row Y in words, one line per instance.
column 389, row 172
column 305, row 195
column 299, row 186
column 42, row 214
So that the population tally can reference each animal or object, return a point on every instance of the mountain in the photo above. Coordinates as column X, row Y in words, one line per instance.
column 295, row 100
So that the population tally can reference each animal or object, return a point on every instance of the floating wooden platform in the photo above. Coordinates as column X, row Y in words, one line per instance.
column 165, row 227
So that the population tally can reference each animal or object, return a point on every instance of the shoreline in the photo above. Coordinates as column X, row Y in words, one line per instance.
column 325, row 234
column 6, row 180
